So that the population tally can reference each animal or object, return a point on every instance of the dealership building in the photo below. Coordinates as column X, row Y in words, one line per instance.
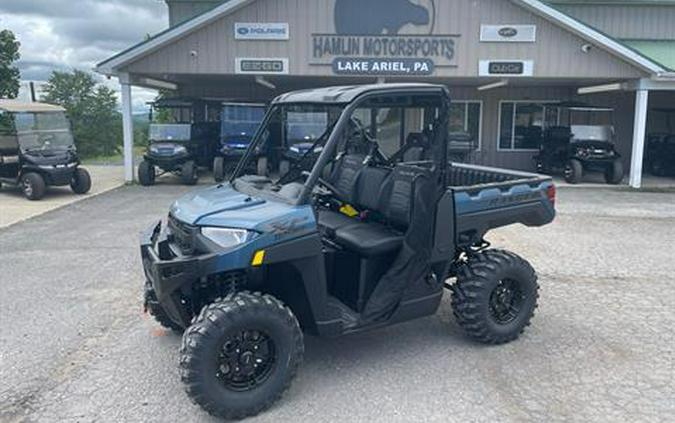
column 506, row 62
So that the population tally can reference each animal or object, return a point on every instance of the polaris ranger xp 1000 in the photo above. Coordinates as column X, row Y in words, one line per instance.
column 360, row 241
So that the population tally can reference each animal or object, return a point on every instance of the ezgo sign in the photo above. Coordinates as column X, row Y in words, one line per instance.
column 261, row 31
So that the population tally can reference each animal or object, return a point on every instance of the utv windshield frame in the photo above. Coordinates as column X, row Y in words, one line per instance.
column 337, row 130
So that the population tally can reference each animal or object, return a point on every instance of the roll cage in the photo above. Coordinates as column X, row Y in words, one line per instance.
column 383, row 95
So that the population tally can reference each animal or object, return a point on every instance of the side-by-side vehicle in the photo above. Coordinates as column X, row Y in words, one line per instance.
column 37, row 149
column 183, row 137
column 238, row 124
column 584, row 143
column 352, row 240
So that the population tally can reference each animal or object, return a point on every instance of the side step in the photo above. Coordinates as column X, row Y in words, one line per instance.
column 347, row 316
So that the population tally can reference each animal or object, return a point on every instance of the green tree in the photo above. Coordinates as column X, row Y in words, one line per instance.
column 92, row 109
column 9, row 74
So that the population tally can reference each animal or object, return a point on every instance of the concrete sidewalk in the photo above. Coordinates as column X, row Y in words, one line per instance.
column 14, row 207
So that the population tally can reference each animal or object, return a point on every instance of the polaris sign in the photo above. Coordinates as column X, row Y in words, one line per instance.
column 261, row 31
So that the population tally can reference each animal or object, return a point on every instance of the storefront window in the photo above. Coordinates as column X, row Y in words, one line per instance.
column 465, row 116
column 522, row 124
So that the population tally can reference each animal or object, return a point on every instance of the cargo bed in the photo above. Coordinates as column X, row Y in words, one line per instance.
column 486, row 198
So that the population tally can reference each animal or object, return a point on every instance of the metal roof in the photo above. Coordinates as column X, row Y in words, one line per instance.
column 14, row 106
column 346, row 94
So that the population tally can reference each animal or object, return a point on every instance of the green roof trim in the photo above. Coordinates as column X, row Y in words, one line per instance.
column 660, row 51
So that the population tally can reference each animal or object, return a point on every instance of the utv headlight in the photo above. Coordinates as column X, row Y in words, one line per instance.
column 295, row 150
column 179, row 149
column 227, row 237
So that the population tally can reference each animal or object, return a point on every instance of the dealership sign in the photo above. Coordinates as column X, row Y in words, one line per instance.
column 374, row 66
column 368, row 40
column 258, row 66
column 261, row 31
column 506, row 68
column 508, row 33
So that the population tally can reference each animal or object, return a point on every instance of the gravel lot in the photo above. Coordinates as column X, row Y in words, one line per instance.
column 75, row 346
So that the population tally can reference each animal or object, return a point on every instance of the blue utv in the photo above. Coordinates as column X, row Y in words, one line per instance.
column 363, row 240
column 238, row 123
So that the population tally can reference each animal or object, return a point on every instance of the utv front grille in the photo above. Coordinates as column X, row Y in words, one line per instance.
column 183, row 235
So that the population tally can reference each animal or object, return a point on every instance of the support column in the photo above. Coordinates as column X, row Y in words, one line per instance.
column 128, row 129
column 639, row 132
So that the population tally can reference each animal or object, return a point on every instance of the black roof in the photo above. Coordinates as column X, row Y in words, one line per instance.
column 346, row 94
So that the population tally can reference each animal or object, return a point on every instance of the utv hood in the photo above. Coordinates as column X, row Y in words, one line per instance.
column 223, row 206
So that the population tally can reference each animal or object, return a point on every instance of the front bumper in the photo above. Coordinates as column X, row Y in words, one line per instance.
column 168, row 271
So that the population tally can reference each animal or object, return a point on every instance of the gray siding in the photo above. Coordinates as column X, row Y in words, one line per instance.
column 645, row 22
column 557, row 53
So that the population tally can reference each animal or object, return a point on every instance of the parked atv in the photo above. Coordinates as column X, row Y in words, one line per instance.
column 237, row 126
column 37, row 149
column 183, row 136
column 247, row 267
column 582, row 145
column 660, row 155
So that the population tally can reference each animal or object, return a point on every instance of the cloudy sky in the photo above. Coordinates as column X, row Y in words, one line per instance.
column 77, row 34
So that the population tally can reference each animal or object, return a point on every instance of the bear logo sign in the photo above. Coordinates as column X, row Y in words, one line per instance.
column 376, row 17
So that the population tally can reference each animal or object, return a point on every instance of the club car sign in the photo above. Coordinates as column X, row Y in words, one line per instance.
column 384, row 38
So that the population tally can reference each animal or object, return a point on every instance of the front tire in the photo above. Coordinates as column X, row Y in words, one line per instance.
column 81, row 183
column 284, row 167
column 146, row 173
column 614, row 172
column 219, row 169
column 262, row 167
column 33, row 186
column 188, row 173
column 574, row 171
column 152, row 306
column 240, row 354
column 495, row 296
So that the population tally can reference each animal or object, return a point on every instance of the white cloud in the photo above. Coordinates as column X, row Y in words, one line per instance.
column 57, row 35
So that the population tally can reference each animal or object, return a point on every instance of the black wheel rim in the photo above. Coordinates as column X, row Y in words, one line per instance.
column 506, row 301
column 27, row 188
column 245, row 360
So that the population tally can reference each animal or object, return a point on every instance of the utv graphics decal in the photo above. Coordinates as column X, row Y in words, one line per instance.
column 384, row 38
column 289, row 226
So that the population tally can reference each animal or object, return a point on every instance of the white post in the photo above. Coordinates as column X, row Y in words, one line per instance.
column 639, row 131
column 128, row 129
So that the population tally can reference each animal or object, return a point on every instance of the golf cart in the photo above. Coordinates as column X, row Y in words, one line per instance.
column 183, row 136
column 37, row 149
column 584, row 143
column 361, row 241
column 237, row 126
column 660, row 148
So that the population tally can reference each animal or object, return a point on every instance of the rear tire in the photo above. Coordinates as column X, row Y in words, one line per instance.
column 146, row 174
column 219, row 169
column 33, row 186
column 262, row 167
column 188, row 173
column 574, row 171
column 240, row 354
column 81, row 183
column 614, row 172
column 495, row 296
